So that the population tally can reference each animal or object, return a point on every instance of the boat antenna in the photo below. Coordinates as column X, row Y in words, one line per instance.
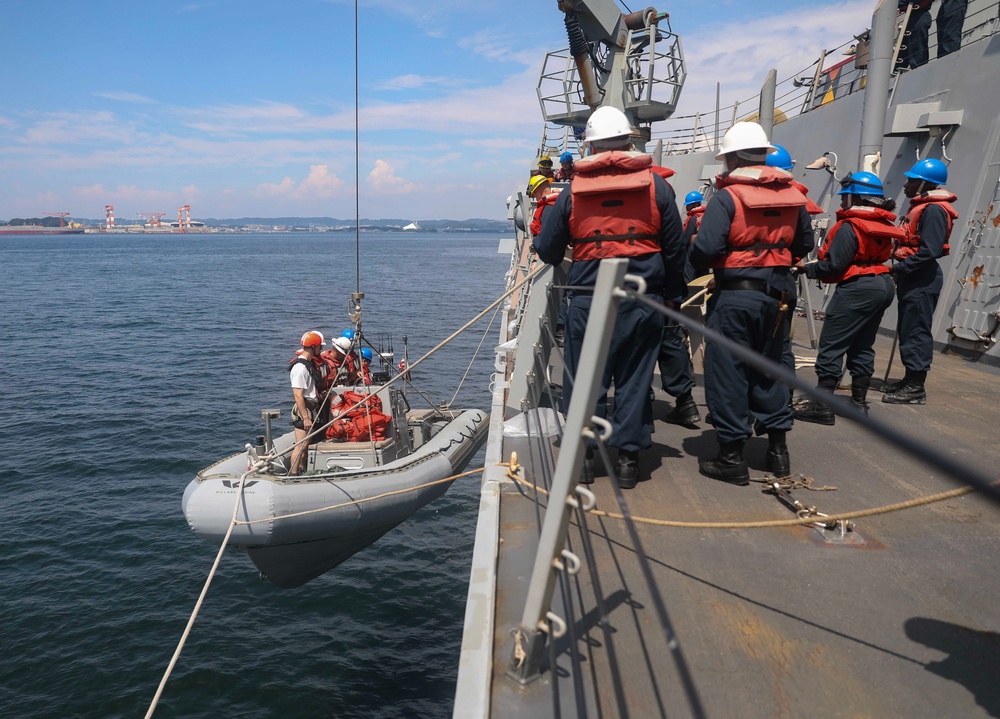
column 354, row 311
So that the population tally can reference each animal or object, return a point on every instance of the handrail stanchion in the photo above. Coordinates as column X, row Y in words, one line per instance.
column 531, row 638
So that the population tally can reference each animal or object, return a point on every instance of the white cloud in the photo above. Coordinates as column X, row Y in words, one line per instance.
column 320, row 184
column 412, row 82
column 122, row 96
column 384, row 181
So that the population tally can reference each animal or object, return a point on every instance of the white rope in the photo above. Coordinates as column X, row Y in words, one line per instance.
column 201, row 597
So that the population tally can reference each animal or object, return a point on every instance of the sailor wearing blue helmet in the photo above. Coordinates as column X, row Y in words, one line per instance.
column 853, row 258
column 930, row 218
column 566, row 168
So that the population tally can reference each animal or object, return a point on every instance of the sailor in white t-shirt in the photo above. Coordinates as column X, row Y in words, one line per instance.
column 304, row 376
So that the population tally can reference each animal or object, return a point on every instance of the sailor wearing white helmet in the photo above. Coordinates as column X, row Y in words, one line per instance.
column 606, row 213
column 752, row 227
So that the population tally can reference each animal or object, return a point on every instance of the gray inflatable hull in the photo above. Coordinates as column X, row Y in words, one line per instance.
column 290, row 551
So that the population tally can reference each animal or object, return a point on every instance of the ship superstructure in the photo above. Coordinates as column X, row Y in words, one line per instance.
column 676, row 599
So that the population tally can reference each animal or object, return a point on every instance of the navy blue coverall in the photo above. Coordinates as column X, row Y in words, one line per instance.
column 676, row 371
column 638, row 328
column 919, row 280
column 853, row 314
column 732, row 389
column 950, row 19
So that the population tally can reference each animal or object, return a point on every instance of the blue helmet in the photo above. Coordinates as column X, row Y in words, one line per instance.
column 862, row 183
column 693, row 197
column 933, row 171
column 367, row 354
column 566, row 157
column 780, row 158
column 349, row 334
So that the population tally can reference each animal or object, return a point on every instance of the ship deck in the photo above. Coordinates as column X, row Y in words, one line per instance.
column 901, row 620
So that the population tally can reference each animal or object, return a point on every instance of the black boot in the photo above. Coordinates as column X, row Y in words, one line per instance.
column 859, row 393
column 627, row 470
column 898, row 384
column 729, row 466
column 910, row 393
column 776, row 460
column 685, row 412
column 811, row 410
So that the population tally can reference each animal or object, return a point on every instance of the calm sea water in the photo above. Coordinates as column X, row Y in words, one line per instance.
column 127, row 363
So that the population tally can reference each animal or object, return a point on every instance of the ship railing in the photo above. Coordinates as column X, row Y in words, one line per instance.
column 655, row 75
column 560, row 559
column 835, row 74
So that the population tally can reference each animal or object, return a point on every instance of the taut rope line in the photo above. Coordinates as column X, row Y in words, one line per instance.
column 232, row 525
column 873, row 511
column 201, row 597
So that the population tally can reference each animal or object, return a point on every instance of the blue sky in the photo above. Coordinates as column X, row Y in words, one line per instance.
column 246, row 107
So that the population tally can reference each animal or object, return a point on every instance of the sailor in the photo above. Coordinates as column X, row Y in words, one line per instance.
column 853, row 257
column 541, row 191
column 614, row 194
column 950, row 19
column 306, row 381
column 913, row 52
column 342, row 367
column 929, row 220
column 366, row 363
column 752, row 227
column 782, row 159
column 545, row 166
column 566, row 169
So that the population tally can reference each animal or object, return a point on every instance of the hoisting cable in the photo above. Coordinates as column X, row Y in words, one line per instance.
column 204, row 591
column 357, row 162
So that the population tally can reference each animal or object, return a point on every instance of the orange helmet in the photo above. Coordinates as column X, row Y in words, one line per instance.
column 312, row 339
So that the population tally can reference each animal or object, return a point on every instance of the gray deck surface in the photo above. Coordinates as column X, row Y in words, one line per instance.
column 773, row 622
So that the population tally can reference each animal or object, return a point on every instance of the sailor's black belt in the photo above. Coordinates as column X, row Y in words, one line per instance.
column 754, row 285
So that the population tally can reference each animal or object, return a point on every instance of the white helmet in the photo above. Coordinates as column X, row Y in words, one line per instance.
column 342, row 343
column 605, row 123
column 743, row 136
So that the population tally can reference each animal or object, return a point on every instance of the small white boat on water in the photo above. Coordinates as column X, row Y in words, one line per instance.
column 295, row 528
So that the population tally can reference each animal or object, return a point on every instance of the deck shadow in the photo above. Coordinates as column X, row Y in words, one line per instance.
column 973, row 657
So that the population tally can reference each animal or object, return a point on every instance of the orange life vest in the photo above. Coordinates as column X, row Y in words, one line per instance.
column 695, row 217
column 536, row 220
column 766, row 217
column 366, row 422
column 614, row 207
column 341, row 369
column 811, row 207
column 910, row 243
column 876, row 233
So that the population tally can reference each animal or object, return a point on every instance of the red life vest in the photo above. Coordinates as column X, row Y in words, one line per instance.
column 536, row 220
column 766, row 217
column 910, row 243
column 695, row 217
column 366, row 422
column 811, row 207
column 614, row 207
column 876, row 233
column 366, row 373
